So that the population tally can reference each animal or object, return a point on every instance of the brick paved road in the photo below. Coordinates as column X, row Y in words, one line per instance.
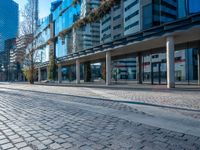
column 38, row 120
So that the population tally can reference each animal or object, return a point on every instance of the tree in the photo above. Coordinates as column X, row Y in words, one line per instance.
column 28, row 26
column 52, row 66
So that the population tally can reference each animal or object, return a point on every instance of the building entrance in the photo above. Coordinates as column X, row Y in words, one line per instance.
column 158, row 73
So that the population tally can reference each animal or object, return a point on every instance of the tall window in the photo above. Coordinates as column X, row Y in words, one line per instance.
column 194, row 6
column 147, row 16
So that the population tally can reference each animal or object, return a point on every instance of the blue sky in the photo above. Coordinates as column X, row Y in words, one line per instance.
column 44, row 6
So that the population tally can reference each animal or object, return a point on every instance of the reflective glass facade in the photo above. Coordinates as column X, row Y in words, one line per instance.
column 9, row 21
column 42, row 35
column 61, row 47
column 65, row 20
column 194, row 6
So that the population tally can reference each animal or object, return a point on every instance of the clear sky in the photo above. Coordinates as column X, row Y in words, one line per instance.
column 44, row 6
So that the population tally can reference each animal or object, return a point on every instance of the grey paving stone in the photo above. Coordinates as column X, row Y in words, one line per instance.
column 18, row 140
column 41, row 146
column 51, row 121
column 59, row 140
column 47, row 142
column 4, row 141
column 67, row 145
column 55, row 146
column 2, row 137
column 20, row 145
column 30, row 139
column 26, row 148
column 7, row 146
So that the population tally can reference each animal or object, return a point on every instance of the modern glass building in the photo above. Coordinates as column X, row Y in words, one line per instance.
column 9, row 21
column 63, row 18
column 128, row 18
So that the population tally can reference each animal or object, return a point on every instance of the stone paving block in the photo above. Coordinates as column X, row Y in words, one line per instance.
column 47, row 142
column 55, row 146
column 18, row 140
column 59, row 140
column 30, row 139
column 2, row 137
column 26, row 148
column 41, row 146
column 4, row 141
column 20, row 145
column 67, row 145
column 7, row 146
column 15, row 136
column 85, row 147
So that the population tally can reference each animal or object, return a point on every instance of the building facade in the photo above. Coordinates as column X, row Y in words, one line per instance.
column 17, row 56
column 112, row 25
column 9, row 21
column 5, row 64
column 124, row 19
column 89, row 35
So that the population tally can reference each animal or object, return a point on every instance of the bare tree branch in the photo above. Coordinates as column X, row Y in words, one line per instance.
column 27, row 27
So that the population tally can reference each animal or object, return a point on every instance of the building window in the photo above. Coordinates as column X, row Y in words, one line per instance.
column 132, row 15
column 194, row 6
column 106, row 29
column 147, row 16
column 117, row 27
column 116, row 17
column 132, row 25
column 131, row 5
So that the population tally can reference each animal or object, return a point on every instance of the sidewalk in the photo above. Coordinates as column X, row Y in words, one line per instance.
column 183, row 97
column 128, row 86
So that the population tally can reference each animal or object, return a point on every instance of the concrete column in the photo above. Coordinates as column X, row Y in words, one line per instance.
column 108, row 68
column 39, row 74
column 77, row 71
column 198, row 59
column 170, row 62
column 59, row 73
column 139, row 69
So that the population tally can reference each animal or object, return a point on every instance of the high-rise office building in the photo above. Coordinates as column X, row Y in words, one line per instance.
column 9, row 20
column 157, row 12
column 132, row 16
column 112, row 26
column 55, row 5
column 90, row 33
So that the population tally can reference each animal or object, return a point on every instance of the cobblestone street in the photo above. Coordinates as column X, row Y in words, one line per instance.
column 43, row 119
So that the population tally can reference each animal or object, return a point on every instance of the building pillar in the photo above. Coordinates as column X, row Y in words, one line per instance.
column 170, row 62
column 77, row 71
column 139, row 69
column 198, row 59
column 59, row 73
column 108, row 68
column 39, row 74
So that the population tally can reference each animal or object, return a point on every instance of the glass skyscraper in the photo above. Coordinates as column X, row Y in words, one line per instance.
column 9, row 21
